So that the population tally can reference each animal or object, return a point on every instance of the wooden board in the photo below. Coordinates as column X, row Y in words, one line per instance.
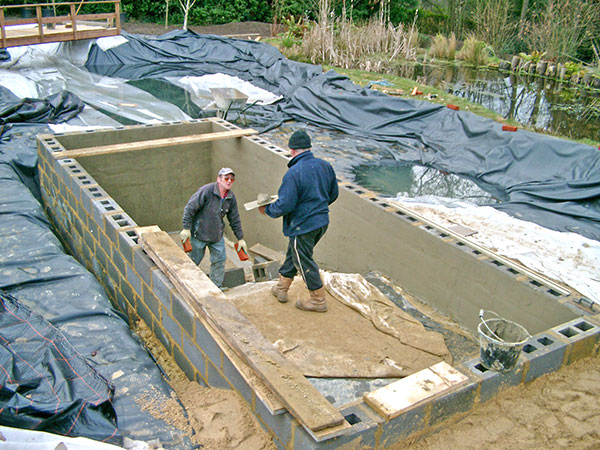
column 392, row 400
column 154, row 143
column 267, row 253
column 303, row 401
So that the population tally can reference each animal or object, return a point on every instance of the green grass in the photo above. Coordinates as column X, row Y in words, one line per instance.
column 363, row 78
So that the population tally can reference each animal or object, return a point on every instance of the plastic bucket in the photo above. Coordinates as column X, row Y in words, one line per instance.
column 500, row 342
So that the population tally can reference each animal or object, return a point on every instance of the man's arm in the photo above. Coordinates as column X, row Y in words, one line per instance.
column 233, row 217
column 287, row 198
column 333, row 189
column 194, row 204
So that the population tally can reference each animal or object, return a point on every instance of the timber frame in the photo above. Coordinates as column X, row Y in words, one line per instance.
column 69, row 27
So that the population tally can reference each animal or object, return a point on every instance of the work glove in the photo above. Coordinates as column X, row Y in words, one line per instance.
column 184, row 235
column 242, row 245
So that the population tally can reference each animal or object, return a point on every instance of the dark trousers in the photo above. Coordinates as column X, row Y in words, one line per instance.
column 299, row 258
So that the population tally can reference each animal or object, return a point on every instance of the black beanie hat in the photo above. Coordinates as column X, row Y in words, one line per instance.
column 299, row 140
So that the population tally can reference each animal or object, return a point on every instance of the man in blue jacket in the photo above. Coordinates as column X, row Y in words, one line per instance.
column 307, row 189
column 203, row 222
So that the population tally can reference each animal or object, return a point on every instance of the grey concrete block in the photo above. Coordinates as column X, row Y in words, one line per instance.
column 161, row 286
column 455, row 402
column 151, row 301
column 279, row 424
column 234, row 277
column 207, row 344
column 214, row 378
column 143, row 265
column 581, row 335
column 114, row 223
column 128, row 241
column 363, row 429
column 119, row 263
column 113, row 272
column 91, row 193
column 105, row 244
column 236, row 380
column 544, row 355
column 144, row 312
column 183, row 314
column 194, row 354
column 492, row 382
column 403, row 426
column 101, row 207
column 183, row 362
column 266, row 271
column 164, row 337
column 135, row 280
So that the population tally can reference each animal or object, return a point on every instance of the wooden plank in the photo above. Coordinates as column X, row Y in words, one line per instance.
column 392, row 400
column 266, row 252
column 303, row 401
column 154, row 143
column 273, row 404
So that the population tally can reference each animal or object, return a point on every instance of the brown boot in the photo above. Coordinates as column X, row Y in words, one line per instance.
column 280, row 290
column 316, row 302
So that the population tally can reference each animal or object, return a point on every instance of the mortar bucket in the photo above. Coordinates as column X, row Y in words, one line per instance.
column 500, row 342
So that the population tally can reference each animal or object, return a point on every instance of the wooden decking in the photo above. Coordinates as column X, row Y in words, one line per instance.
column 69, row 27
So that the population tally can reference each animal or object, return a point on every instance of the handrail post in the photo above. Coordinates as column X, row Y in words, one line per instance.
column 73, row 21
column 3, row 25
column 38, row 14
column 118, row 15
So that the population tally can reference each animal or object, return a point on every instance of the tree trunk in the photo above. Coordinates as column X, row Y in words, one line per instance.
column 524, row 8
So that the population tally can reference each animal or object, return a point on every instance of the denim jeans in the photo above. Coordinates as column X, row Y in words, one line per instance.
column 217, row 257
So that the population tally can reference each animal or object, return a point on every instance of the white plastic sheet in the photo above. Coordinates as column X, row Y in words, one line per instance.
column 565, row 257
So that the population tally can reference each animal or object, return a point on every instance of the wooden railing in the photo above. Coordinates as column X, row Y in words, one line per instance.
column 72, row 26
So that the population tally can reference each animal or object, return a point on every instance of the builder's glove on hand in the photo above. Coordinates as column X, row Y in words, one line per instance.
column 242, row 245
column 184, row 235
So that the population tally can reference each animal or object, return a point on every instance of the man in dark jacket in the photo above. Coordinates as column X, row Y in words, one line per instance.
column 203, row 222
column 307, row 189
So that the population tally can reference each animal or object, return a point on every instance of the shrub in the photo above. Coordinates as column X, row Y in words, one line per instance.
column 474, row 52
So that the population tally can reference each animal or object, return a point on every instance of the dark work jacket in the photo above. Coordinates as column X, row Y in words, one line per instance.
column 307, row 189
column 203, row 214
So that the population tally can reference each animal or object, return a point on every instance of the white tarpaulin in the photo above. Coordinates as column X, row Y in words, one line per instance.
column 565, row 257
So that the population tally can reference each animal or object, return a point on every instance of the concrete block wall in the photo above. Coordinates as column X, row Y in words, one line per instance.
column 101, row 235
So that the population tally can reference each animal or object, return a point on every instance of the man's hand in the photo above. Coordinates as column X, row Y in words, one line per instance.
column 242, row 245
column 184, row 235
column 261, row 209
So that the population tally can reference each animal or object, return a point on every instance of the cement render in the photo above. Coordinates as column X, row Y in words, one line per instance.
column 107, row 246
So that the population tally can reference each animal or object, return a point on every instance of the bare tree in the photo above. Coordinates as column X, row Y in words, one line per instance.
column 186, row 5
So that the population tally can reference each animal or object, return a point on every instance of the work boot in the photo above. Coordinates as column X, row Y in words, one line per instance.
column 316, row 302
column 280, row 290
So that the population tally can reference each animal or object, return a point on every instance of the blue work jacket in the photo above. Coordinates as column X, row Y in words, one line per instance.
column 307, row 189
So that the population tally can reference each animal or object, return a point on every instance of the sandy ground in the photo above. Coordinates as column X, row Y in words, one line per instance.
column 216, row 419
column 559, row 410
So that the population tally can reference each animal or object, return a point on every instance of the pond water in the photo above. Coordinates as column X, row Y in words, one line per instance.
column 546, row 105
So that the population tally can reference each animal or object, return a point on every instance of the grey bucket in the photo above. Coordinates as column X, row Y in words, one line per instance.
column 500, row 342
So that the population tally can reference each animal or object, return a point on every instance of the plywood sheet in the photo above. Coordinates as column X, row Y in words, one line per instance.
column 395, row 398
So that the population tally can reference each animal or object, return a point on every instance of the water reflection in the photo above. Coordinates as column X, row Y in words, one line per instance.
column 386, row 169
column 544, row 104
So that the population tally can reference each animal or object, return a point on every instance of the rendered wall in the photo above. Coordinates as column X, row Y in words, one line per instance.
column 100, row 234
column 366, row 234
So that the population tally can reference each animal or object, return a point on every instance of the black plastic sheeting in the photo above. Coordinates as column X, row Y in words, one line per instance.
column 549, row 181
column 56, row 108
column 35, row 269
column 45, row 384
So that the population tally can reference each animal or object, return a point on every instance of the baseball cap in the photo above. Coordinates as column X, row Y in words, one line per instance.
column 226, row 171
